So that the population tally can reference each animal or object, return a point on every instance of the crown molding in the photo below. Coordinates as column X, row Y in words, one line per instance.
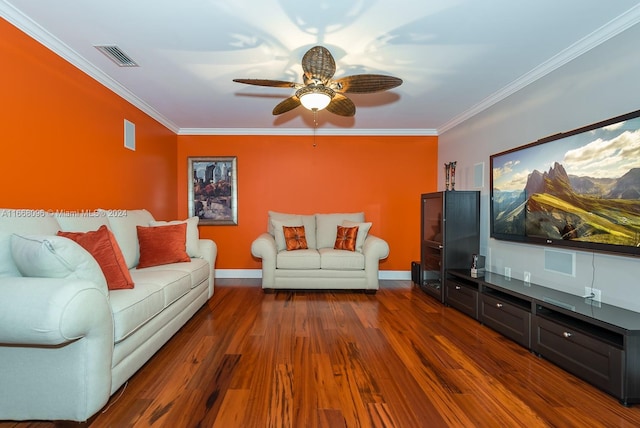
column 37, row 32
column 307, row 131
column 612, row 28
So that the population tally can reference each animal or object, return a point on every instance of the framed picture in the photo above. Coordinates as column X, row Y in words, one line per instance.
column 213, row 190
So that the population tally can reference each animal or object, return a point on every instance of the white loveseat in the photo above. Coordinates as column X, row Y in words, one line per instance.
column 320, row 265
column 67, row 343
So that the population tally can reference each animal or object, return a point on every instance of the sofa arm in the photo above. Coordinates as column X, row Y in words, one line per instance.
column 264, row 247
column 52, row 311
column 56, row 348
column 374, row 250
column 208, row 250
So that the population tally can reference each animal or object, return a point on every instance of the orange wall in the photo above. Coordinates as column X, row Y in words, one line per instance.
column 382, row 176
column 62, row 145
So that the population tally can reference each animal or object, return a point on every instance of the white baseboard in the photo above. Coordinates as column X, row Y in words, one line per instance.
column 394, row 274
column 238, row 273
column 257, row 273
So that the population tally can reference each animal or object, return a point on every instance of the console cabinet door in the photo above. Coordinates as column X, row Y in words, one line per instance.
column 593, row 360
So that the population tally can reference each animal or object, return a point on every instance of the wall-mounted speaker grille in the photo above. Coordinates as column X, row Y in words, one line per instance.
column 560, row 262
column 115, row 54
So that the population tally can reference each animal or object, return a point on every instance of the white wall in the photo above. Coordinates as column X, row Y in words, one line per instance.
column 598, row 85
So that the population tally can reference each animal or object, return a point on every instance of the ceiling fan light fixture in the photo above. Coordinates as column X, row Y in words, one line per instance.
column 315, row 98
column 320, row 90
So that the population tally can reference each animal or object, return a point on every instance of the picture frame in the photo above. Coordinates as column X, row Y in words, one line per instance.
column 213, row 189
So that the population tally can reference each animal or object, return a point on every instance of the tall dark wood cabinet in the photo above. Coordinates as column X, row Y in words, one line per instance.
column 450, row 234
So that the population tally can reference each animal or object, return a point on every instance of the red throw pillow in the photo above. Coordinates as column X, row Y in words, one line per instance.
column 295, row 237
column 346, row 238
column 162, row 245
column 102, row 245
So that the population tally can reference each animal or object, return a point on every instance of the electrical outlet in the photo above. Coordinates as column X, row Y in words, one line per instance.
column 527, row 277
column 507, row 272
column 594, row 292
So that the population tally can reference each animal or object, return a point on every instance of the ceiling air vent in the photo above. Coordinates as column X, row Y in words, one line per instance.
column 115, row 54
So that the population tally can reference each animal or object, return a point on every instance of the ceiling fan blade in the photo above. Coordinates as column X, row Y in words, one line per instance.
column 318, row 63
column 267, row 82
column 365, row 83
column 286, row 105
column 341, row 105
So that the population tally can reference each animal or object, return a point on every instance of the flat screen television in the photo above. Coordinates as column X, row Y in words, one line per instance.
column 577, row 189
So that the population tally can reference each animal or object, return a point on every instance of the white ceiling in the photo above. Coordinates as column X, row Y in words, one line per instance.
column 456, row 57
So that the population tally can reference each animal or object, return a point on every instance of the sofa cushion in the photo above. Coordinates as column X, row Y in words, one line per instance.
column 301, row 259
column 123, row 224
column 135, row 307
column 54, row 257
column 102, row 245
column 363, row 232
column 174, row 283
column 275, row 216
column 22, row 222
column 162, row 245
column 156, row 288
column 308, row 221
column 340, row 259
column 278, row 230
column 295, row 238
column 193, row 235
column 346, row 238
column 196, row 269
column 84, row 221
column 326, row 227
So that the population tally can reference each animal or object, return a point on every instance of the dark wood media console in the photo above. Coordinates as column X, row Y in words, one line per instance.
column 596, row 342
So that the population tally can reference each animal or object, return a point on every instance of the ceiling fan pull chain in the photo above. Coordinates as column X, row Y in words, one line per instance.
column 315, row 126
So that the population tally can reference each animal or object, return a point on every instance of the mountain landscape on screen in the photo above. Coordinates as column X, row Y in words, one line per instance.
column 557, row 205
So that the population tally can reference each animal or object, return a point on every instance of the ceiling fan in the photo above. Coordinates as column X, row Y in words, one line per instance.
column 320, row 90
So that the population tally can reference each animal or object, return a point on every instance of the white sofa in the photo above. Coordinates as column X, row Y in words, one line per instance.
column 320, row 265
column 67, row 343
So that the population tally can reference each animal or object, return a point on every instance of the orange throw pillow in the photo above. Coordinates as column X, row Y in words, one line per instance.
column 346, row 238
column 162, row 245
column 102, row 245
column 295, row 237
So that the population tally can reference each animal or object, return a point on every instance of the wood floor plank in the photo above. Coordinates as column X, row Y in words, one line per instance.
column 324, row 382
column 282, row 397
column 334, row 359
column 232, row 410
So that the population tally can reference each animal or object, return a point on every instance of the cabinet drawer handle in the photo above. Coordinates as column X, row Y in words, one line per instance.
column 457, row 287
column 498, row 305
column 567, row 334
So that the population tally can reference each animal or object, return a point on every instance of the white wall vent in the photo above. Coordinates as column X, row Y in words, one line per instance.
column 115, row 54
column 129, row 135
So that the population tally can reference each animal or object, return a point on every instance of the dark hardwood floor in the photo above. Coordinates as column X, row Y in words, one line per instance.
column 342, row 359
